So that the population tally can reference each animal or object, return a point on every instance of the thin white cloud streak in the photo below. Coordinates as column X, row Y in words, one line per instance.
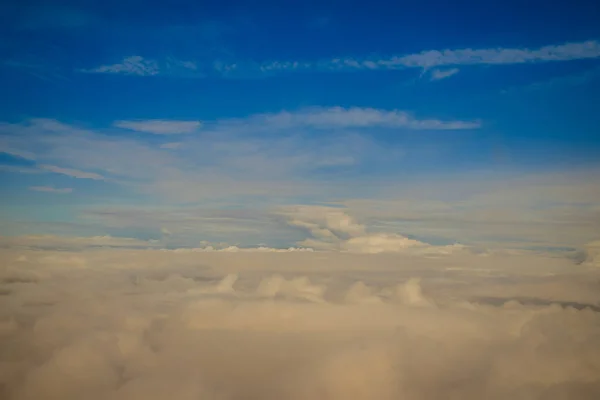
column 50, row 189
column 439, row 74
column 73, row 151
column 227, row 148
column 79, row 243
column 133, row 65
column 590, row 49
column 299, row 326
column 187, row 226
column 448, row 58
column 140, row 66
column 73, row 173
column 236, row 249
column 160, row 127
column 16, row 153
column 497, row 56
column 355, row 117
column 20, row 170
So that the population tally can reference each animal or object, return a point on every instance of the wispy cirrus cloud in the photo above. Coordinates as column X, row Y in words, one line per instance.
column 73, row 173
column 140, row 66
column 50, row 189
column 452, row 57
column 439, row 74
column 468, row 56
column 160, row 126
column 346, row 117
column 133, row 65
column 294, row 151
column 319, row 155
column 137, row 65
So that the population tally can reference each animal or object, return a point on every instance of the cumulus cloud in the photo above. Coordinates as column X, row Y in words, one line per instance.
column 332, row 228
column 159, row 126
column 154, row 325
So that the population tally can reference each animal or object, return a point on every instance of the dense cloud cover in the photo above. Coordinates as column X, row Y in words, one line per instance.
column 148, row 324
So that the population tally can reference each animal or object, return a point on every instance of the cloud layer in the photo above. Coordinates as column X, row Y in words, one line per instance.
column 122, row 324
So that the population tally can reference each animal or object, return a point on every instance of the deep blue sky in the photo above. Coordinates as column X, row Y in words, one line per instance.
column 514, row 84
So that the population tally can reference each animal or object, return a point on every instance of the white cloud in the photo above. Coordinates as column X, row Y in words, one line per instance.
column 236, row 249
column 592, row 253
column 227, row 154
column 16, row 153
column 74, row 173
column 561, row 52
column 20, row 170
column 174, row 63
column 50, row 189
column 255, row 164
column 73, row 151
column 354, row 117
column 299, row 325
column 159, row 126
column 333, row 229
column 453, row 57
column 54, row 242
column 140, row 66
column 439, row 74
column 133, row 65
column 136, row 65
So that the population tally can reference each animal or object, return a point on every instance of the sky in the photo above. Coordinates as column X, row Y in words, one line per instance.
column 299, row 200
column 348, row 126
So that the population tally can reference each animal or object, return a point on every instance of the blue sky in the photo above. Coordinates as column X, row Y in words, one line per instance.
column 195, row 122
